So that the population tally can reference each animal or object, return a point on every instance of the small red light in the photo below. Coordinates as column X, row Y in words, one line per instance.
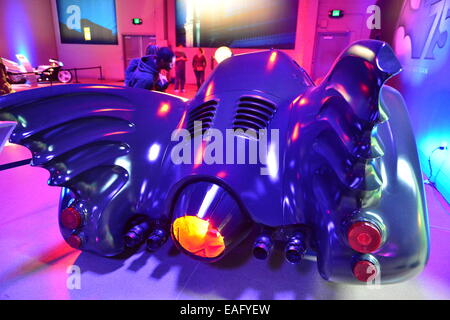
column 295, row 133
column 163, row 109
column 221, row 174
column 209, row 89
column 74, row 241
column 303, row 101
column 364, row 237
column 71, row 218
column 273, row 57
column 364, row 270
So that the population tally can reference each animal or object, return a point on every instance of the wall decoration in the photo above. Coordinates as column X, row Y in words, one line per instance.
column 424, row 52
column 87, row 21
column 237, row 23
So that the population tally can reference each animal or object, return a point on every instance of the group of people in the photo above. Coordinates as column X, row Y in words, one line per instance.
column 152, row 71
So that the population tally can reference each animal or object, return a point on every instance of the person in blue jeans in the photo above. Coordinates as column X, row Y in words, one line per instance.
column 180, row 69
column 199, row 66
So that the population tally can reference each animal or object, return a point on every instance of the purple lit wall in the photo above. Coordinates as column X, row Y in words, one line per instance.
column 26, row 27
column 419, row 31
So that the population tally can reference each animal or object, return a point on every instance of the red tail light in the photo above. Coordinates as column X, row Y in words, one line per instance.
column 364, row 237
column 364, row 270
column 71, row 218
column 74, row 241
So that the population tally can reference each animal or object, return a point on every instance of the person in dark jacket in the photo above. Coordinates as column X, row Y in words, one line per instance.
column 147, row 74
column 151, row 50
column 199, row 66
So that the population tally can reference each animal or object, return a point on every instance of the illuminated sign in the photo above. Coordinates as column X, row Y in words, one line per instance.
column 87, row 21
column 336, row 14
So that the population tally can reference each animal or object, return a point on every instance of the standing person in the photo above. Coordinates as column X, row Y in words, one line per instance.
column 180, row 68
column 199, row 66
column 168, row 74
column 148, row 72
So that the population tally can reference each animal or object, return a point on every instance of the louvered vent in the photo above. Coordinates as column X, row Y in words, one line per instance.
column 253, row 113
column 204, row 113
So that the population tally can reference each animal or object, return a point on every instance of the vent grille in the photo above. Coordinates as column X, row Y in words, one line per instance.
column 204, row 113
column 253, row 113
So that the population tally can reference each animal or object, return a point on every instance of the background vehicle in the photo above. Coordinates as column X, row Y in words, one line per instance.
column 51, row 72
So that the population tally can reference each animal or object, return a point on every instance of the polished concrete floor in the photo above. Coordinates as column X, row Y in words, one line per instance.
column 34, row 259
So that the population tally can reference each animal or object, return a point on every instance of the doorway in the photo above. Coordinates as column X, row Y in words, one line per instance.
column 329, row 45
column 134, row 46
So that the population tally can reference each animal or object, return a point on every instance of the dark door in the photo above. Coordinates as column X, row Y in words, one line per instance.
column 329, row 46
column 134, row 46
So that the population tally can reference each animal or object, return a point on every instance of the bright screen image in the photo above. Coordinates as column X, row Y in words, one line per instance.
column 87, row 21
column 237, row 23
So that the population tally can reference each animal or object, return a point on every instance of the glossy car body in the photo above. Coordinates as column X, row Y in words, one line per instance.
column 338, row 155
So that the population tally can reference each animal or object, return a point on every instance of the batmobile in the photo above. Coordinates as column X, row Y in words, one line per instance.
column 338, row 174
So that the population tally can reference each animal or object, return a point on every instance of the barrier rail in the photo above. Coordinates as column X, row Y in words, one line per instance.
column 86, row 68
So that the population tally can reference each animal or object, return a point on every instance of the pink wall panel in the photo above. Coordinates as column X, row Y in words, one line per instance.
column 110, row 57
column 353, row 21
column 26, row 27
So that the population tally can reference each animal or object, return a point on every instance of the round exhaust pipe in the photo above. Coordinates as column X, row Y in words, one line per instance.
column 295, row 248
column 208, row 221
column 136, row 235
column 156, row 239
column 263, row 245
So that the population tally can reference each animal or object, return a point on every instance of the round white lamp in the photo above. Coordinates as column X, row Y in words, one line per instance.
column 222, row 53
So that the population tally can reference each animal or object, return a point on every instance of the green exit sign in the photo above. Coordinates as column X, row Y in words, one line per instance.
column 336, row 13
column 137, row 21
